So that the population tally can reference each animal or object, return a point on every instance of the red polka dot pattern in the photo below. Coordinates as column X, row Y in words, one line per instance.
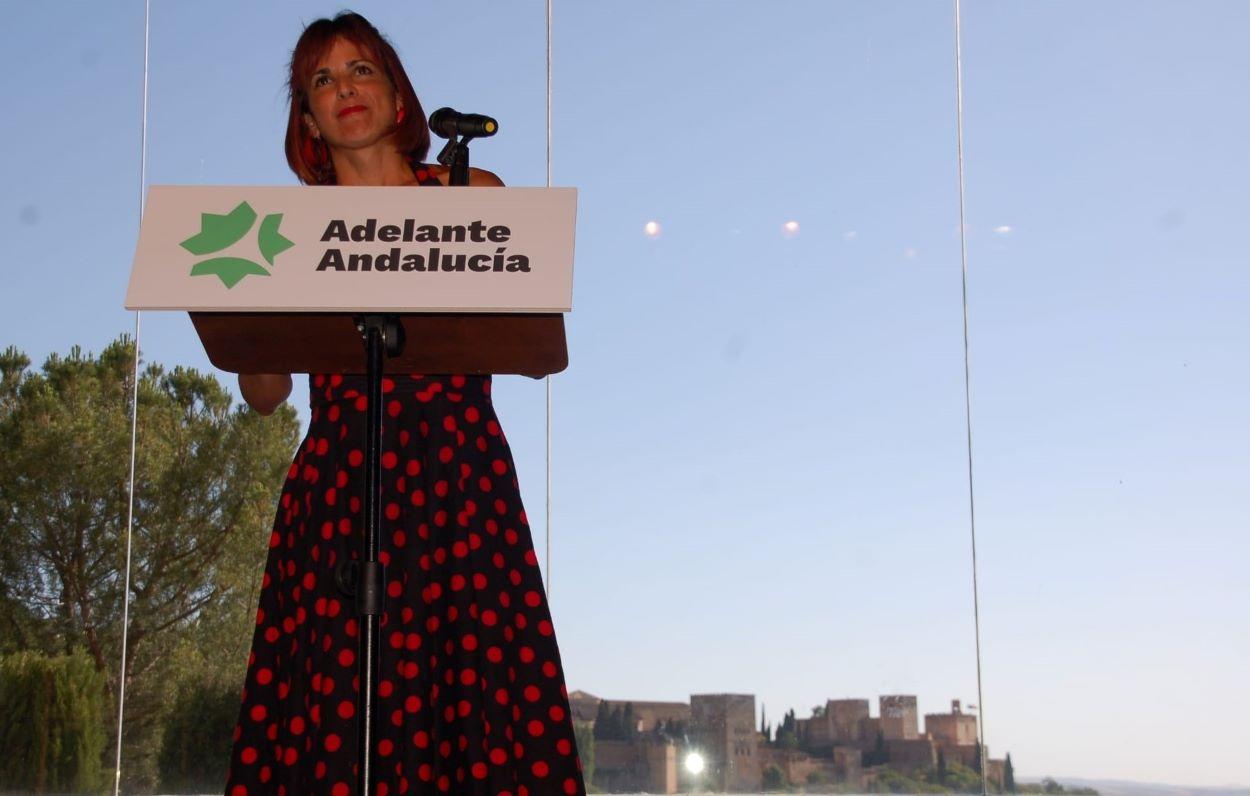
column 471, row 696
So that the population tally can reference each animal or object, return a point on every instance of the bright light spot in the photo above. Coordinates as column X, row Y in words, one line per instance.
column 850, row 235
column 790, row 229
column 910, row 254
column 652, row 228
column 1003, row 230
column 694, row 763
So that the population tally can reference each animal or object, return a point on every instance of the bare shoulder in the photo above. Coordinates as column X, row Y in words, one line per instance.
column 480, row 178
column 484, row 178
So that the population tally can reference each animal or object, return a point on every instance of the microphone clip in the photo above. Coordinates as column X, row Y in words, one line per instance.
column 455, row 156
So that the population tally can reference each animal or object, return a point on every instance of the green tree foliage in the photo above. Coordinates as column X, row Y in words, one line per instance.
column 608, row 722
column 603, row 719
column 662, row 729
column 772, row 778
column 671, row 729
column 786, row 739
column 584, row 737
column 962, row 779
column 1009, row 775
column 195, row 752
column 205, row 488
column 629, row 722
column 958, row 778
column 787, row 732
column 615, row 723
column 52, row 723
column 891, row 781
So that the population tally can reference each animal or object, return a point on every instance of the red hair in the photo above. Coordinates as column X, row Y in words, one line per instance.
column 309, row 158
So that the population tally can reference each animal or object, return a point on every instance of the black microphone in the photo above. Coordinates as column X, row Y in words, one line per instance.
column 447, row 123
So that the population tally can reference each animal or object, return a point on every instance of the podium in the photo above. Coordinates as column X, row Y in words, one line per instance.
column 445, row 296
column 468, row 343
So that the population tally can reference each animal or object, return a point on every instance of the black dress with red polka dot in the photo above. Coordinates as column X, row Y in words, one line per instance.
column 471, row 696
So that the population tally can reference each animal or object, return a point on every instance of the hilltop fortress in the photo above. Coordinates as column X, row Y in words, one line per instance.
column 643, row 746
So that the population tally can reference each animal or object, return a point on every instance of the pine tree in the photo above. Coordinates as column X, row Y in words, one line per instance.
column 52, row 732
column 206, row 479
column 941, row 767
column 976, row 758
column 616, row 725
column 787, row 732
column 603, row 721
column 629, row 723
column 1009, row 775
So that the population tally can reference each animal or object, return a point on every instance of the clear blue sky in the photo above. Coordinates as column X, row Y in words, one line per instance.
column 759, row 474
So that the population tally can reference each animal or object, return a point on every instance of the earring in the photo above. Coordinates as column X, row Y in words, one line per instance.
column 399, row 116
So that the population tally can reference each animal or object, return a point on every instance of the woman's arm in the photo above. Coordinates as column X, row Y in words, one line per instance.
column 265, row 392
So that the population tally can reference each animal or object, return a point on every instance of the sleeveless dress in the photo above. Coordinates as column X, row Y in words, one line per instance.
column 471, row 696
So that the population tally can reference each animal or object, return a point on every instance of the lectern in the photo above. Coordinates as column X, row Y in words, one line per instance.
column 372, row 280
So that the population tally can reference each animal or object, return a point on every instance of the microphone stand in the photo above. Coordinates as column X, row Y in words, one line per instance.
column 365, row 578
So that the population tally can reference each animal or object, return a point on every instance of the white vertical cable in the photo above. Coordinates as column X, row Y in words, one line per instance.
column 963, row 257
column 548, row 378
column 134, row 415
column 548, row 93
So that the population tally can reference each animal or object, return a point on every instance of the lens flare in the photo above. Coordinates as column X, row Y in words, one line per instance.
column 652, row 229
column 694, row 763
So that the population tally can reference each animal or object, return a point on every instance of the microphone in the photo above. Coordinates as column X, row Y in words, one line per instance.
column 447, row 123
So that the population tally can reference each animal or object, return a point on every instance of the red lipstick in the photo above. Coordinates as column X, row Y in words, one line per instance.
column 351, row 109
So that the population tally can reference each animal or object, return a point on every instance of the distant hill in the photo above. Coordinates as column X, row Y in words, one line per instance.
column 1121, row 787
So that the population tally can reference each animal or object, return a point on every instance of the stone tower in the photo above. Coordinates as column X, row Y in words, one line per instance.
column 899, row 720
column 723, row 729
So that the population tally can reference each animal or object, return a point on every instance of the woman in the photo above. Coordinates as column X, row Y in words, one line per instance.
column 471, row 696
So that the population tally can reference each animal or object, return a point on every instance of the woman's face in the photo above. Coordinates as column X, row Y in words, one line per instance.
column 352, row 103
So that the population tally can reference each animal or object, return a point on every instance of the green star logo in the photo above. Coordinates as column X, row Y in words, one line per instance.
column 219, row 232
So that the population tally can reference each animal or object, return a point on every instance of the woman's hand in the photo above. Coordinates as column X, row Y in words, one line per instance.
column 265, row 392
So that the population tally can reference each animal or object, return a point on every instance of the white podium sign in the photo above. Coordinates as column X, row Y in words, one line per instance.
column 337, row 249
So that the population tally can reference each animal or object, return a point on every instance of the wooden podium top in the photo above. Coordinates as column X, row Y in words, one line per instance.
column 470, row 344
